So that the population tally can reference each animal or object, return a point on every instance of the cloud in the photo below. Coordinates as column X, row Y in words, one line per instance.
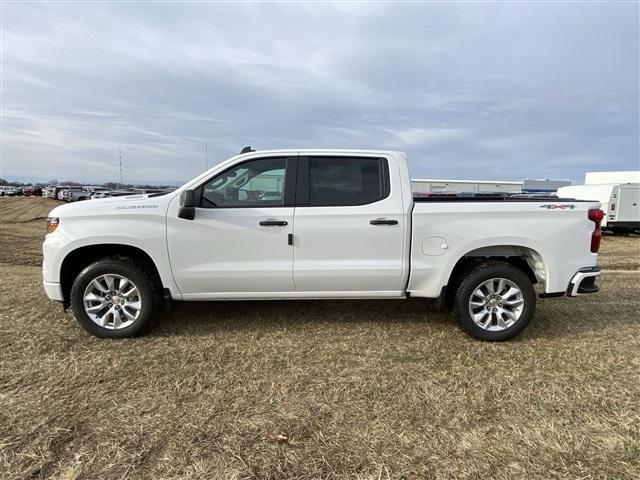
column 504, row 90
column 428, row 136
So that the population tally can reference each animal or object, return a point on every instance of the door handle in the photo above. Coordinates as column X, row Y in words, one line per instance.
column 273, row 223
column 383, row 221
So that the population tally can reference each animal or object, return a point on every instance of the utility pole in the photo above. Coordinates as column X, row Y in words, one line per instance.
column 120, row 158
column 206, row 157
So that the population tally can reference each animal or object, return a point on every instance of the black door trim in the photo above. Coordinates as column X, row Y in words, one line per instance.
column 290, row 181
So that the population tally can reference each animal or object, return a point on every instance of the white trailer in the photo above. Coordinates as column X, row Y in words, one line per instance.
column 599, row 178
column 620, row 203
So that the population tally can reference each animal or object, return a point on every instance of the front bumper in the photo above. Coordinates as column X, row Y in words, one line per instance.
column 53, row 291
column 584, row 281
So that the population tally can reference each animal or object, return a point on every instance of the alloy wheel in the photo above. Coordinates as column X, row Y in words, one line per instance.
column 112, row 301
column 496, row 304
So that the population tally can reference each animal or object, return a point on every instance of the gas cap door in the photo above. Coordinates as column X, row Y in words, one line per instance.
column 434, row 246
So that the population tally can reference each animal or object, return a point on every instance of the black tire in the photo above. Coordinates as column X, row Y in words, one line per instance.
column 477, row 276
column 147, row 289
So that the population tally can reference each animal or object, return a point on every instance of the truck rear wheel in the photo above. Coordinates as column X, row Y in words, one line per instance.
column 495, row 301
column 113, row 298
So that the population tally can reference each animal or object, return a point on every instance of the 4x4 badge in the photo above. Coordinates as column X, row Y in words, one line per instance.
column 561, row 206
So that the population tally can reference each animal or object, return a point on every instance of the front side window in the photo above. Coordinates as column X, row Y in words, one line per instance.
column 256, row 183
column 343, row 181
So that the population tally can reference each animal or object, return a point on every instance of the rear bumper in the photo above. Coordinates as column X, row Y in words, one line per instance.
column 584, row 281
column 625, row 225
column 53, row 291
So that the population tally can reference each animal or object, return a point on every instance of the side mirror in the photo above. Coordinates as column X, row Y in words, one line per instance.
column 187, row 205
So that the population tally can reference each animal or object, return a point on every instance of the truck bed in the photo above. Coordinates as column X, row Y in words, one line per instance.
column 553, row 234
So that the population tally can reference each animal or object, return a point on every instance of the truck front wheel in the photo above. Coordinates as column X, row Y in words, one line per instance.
column 113, row 298
column 495, row 301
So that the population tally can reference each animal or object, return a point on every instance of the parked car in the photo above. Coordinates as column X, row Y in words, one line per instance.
column 150, row 191
column 61, row 192
column 74, row 194
column 32, row 191
column 111, row 193
column 49, row 192
column 94, row 190
column 7, row 190
column 345, row 225
column 54, row 191
column 100, row 194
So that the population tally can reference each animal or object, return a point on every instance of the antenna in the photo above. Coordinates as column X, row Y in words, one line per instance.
column 120, row 158
column 206, row 156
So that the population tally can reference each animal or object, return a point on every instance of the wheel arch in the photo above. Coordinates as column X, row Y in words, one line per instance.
column 525, row 258
column 78, row 259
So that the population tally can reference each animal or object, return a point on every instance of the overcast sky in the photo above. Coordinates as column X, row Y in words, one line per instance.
column 469, row 91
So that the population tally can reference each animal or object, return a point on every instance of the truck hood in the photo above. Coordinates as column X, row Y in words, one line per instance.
column 112, row 205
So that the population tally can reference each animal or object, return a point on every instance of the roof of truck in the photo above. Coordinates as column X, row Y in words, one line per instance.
column 332, row 151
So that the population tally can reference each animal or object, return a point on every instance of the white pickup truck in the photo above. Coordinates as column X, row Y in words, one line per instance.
column 318, row 224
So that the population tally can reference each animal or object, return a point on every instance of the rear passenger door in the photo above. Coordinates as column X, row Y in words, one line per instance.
column 348, row 227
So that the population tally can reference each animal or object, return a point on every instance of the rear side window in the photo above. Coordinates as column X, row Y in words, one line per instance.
column 344, row 181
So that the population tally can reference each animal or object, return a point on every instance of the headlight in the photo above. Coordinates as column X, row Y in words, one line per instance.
column 52, row 224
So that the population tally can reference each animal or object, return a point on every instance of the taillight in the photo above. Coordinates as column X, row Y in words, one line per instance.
column 596, row 215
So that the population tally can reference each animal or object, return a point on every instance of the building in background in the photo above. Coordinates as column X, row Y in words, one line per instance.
column 430, row 185
column 544, row 185
column 597, row 178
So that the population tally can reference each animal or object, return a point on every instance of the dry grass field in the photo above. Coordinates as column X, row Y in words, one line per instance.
column 352, row 389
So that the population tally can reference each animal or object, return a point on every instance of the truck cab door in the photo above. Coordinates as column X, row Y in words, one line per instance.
column 350, row 227
column 237, row 245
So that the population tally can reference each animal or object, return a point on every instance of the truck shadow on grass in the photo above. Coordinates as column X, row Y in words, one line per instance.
column 201, row 318
column 554, row 318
